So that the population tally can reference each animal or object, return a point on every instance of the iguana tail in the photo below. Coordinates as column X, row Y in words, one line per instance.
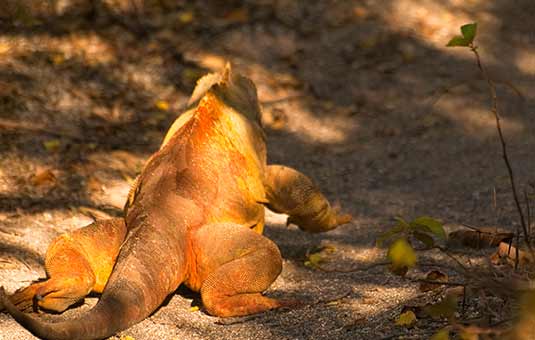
column 99, row 323
column 150, row 267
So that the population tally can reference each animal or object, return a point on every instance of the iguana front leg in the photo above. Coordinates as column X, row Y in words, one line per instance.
column 291, row 192
column 76, row 263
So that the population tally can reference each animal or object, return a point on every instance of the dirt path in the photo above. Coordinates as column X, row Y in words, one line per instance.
column 362, row 96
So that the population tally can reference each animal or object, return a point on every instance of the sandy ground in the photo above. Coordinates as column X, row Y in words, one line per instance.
column 360, row 95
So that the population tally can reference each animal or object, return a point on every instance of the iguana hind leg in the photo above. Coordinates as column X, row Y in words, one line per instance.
column 76, row 264
column 234, row 266
column 291, row 192
column 68, row 282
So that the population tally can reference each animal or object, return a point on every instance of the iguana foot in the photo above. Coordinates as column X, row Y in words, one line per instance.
column 23, row 298
column 76, row 263
column 293, row 193
column 57, row 293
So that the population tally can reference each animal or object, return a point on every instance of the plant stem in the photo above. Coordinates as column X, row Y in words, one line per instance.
column 494, row 109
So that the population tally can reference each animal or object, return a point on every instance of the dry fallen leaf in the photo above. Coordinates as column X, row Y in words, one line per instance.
column 433, row 275
column 507, row 252
column 481, row 238
column 43, row 177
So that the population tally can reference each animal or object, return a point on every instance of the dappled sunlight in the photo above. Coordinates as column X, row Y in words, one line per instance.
column 89, row 46
column 434, row 21
column 326, row 128
column 525, row 61
column 476, row 122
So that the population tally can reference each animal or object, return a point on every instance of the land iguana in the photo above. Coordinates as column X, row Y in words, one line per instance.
column 194, row 216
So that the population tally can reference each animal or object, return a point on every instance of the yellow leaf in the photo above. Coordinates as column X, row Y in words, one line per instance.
column 126, row 337
column 406, row 319
column 315, row 259
column 52, row 145
column 186, row 17
column 443, row 334
column 194, row 309
column 401, row 255
column 162, row 105
column 466, row 334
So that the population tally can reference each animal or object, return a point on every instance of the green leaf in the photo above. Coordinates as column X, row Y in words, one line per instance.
column 401, row 255
column 442, row 334
column 424, row 238
column 421, row 228
column 458, row 41
column 406, row 319
column 435, row 226
column 469, row 31
column 401, row 222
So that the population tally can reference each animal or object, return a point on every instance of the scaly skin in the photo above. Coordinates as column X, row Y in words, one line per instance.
column 195, row 215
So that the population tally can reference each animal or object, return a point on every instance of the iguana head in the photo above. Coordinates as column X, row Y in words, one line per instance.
column 235, row 90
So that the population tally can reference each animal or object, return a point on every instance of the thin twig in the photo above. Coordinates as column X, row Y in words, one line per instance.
column 528, row 209
column 494, row 109
column 445, row 252
column 469, row 226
